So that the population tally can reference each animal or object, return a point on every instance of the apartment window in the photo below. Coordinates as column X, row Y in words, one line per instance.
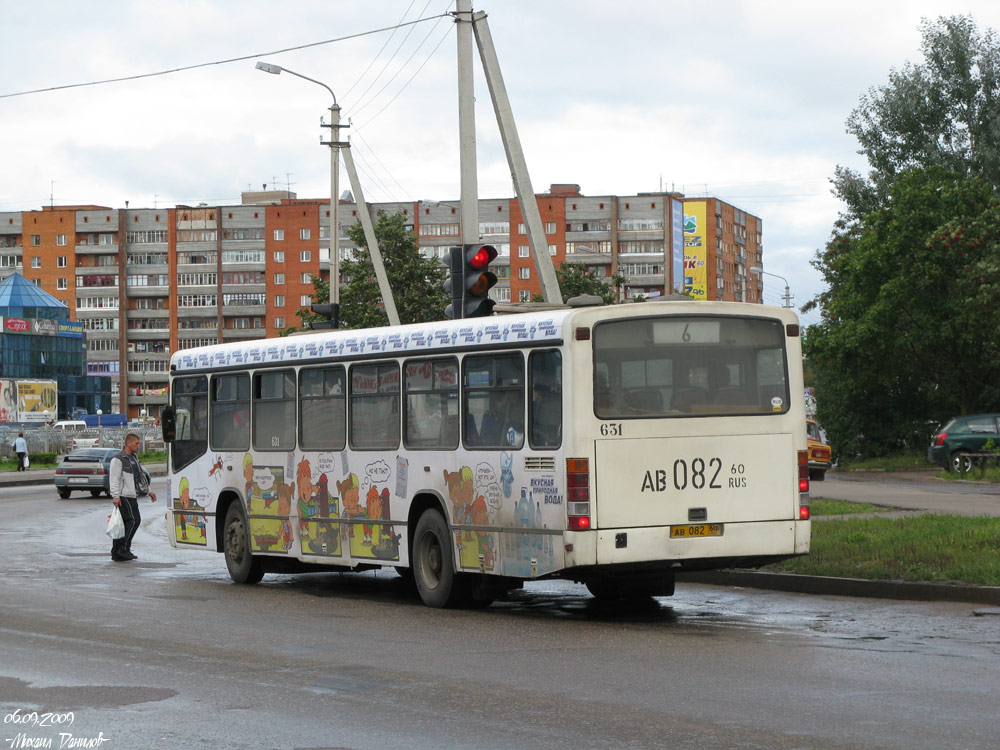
column 279, row 278
column 279, row 235
column 279, row 323
column 36, row 282
column 524, row 273
column 552, row 249
column 36, row 261
column 550, row 227
column 522, row 296
column 305, row 300
column 61, row 240
column 304, row 234
column 61, row 261
column 523, row 251
column 279, row 256
column 36, row 240
column 520, row 229
column 307, row 278
column 62, row 284
column 305, row 256
column 279, row 300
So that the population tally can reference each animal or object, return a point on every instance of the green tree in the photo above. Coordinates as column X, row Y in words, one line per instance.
column 417, row 282
column 942, row 112
column 911, row 316
column 574, row 280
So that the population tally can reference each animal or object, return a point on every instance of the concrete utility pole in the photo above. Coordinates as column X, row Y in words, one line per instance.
column 366, row 224
column 467, row 125
column 515, row 160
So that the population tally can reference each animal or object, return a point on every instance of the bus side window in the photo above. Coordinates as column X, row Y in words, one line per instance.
column 374, row 422
column 431, row 414
column 231, row 412
column 190, row 396
column 546, row 399
column 274, row 411
column 494, row 401
column 323, row 408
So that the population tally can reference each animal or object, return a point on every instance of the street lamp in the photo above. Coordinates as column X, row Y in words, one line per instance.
column 48, row 427
column 788, row 296
column 100, row 428
column 334, row 186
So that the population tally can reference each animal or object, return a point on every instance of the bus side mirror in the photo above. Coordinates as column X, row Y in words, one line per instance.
column 169, row 424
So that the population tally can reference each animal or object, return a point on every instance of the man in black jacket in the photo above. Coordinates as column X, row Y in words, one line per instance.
column 129, row 481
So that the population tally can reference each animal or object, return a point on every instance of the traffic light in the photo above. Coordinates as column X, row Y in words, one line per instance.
column 328, row 310
column 471, row 281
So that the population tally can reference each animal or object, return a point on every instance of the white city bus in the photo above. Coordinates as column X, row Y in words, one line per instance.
column 613, row 446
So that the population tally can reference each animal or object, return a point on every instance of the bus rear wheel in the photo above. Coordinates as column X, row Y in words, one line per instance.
column 243, row 566
column 434, row 562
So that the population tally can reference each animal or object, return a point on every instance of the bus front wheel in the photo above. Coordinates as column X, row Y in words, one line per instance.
column 434, row 561
column 243, row 566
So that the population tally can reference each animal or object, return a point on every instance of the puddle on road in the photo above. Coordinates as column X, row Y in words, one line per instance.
column 62, row 697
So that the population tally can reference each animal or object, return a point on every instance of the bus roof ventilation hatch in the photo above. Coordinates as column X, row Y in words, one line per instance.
column 585, row 300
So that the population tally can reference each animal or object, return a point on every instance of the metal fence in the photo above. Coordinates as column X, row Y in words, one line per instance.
column 44, row 439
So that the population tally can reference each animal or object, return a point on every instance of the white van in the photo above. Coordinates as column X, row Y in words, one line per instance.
column 73, row 429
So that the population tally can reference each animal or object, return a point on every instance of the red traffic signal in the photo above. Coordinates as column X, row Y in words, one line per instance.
column 471, row 281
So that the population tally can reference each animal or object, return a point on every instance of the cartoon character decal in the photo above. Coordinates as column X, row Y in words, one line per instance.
column 189, row 527
column 269, row 504
column 474, row 547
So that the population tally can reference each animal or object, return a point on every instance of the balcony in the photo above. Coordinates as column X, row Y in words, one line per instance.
column 86, row 249
column 243, row 334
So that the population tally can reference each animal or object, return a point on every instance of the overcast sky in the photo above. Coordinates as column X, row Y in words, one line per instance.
column 742, row 100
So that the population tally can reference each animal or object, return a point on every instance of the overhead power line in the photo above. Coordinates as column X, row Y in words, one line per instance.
column 220, row 62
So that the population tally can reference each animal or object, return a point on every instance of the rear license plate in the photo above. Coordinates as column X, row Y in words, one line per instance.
column 78, row 480
column 696, row 530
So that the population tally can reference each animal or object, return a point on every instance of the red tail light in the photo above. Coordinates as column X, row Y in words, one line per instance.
column 803, row 471
column 578, row 494
column 939, row 439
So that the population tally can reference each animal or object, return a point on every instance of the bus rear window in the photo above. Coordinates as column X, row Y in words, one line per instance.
column 689, row 366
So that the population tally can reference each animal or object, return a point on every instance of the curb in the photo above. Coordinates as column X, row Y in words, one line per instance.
column 858, row 587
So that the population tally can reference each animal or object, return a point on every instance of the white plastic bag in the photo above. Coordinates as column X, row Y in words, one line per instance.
column 27, row 461
column 116, row 526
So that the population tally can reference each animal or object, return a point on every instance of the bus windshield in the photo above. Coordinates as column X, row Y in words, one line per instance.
column 682, row 366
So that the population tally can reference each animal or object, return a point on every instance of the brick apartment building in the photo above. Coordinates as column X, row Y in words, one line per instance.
column 147, row 282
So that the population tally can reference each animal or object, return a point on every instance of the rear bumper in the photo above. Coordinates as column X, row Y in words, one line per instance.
column 742, row 544
column 936, row 455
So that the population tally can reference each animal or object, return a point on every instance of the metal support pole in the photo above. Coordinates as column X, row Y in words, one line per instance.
column 467, row 125
column 516, row 162
column 366, row 224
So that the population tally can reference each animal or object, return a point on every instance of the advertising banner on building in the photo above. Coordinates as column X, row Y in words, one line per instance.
column 695, row 249
column 42, row 327
column 676, row 245
column 36, row 400
column 8, row 400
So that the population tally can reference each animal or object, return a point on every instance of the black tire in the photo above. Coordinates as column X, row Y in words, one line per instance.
column 959, row 463
column 433, row 562
column 243, row 566
column 96, row 493
column 64, row 493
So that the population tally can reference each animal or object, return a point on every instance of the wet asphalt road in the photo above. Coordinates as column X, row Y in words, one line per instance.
column 165, row 652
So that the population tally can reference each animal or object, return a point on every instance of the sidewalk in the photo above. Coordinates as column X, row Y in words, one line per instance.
column 32, row 476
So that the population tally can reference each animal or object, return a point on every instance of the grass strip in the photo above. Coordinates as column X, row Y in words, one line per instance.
column 906, row 462
column 930, row 547
column 819, row 506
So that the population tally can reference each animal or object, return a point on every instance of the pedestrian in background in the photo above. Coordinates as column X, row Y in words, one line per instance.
column 129, row 482
column 21, row 449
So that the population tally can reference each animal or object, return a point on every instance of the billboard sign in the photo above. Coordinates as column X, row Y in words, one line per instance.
column 35, row 398
column 695, row 249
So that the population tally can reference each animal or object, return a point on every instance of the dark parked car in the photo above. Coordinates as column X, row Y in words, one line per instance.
column 85, row 469
column 963, row 435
